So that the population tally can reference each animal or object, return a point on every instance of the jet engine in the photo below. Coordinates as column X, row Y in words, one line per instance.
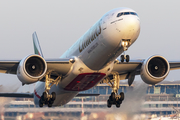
column 154, row 69
column 31, row 69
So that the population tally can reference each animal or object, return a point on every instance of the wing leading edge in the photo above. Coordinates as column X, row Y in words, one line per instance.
column 134, row 66
column 60, row 66
column 10, row 66
column 174, row 65
column 17, row 95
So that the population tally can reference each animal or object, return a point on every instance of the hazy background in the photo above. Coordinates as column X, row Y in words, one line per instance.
column 60, row 23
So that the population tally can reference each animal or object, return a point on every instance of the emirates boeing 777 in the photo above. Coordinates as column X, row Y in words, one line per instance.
column 88, row 62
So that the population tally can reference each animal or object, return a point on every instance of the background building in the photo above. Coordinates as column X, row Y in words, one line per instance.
column 140, row 98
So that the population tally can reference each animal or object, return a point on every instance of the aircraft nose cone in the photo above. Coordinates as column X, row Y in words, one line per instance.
column 131, row 26
column 130, row 29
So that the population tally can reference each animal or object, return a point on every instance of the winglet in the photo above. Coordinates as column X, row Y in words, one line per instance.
column 37, row 47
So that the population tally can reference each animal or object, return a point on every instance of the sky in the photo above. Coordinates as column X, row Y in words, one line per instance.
column 60, row 23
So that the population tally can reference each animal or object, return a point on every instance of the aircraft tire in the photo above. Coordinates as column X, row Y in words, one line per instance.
column 122, row 58
column 127, row 58
column 122, row 96
column 44, row 96
column 117, row 105
column 109, row 104
column 51, row 101
column 53, row 96
column 118, row 101
column 49, row 105
column 40, row 103
column 113, row 96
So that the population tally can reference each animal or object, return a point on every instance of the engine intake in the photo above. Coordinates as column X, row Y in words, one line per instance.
column 31, row 69
column 35, row 66
column 154, row 69
column 157, row 67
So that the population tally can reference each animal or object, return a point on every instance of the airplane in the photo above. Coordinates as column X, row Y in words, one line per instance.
column 91, row 60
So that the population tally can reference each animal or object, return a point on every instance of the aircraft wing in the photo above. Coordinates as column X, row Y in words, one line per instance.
column 60, row 66
column 133, row 67
column 174, row 65
column 9, row 66
column 17, row 95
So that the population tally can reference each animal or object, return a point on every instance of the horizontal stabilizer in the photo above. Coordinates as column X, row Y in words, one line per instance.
column 17, row 95
column 86, row 95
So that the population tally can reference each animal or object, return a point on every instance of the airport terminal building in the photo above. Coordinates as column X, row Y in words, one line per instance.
column 161, row 99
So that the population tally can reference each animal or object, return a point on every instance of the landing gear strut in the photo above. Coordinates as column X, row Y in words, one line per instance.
column 114, row 98
column 47, row 98
column 125, row 44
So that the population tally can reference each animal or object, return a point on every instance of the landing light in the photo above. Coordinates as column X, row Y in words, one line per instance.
column 124, row 43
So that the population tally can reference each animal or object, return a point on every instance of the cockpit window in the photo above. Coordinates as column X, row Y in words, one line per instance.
column 126, row 13
column 119, row 14
column 132, row 13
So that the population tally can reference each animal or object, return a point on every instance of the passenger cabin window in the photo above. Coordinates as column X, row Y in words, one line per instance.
column 126, row 13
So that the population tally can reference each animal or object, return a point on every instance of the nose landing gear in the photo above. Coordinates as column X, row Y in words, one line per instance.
column 125, row 57
column 46, row 98
column 125, row 44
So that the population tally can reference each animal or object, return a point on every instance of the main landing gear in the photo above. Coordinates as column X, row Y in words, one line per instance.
column 46, row 98
column 114, row 98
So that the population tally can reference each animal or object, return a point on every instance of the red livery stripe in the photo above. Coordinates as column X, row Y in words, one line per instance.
column 36, row 94
column 84, row 81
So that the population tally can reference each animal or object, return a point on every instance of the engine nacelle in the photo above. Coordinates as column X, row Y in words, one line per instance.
column 154, row 69
column 31, row 69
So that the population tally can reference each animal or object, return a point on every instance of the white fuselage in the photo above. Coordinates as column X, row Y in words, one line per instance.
column 94, row 54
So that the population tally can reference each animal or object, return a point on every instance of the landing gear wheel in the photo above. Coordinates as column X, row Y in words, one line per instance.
column 49, row 105
column 119, row 101
column 51, row 101
column 117, row 105
column 122, row 96
column 113, row 96
column 44, row 96
column 40, row 103
column 127, row 58
column 47, row 99
column 53, row 96
column 122, row 58
column 109, row 104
